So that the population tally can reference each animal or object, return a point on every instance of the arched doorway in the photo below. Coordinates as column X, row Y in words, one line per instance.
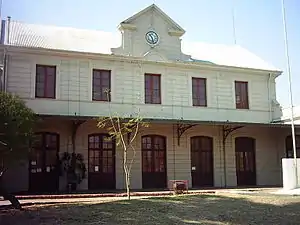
column 289, row 146
column 202, row 161
column 43, row 163
column 245, row 161
column 101, row 169
column 154, row 170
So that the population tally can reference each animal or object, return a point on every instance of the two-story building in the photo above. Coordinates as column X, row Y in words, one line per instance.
column 211, row 107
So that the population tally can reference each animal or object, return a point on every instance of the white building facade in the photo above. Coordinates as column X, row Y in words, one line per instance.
column 211, row 108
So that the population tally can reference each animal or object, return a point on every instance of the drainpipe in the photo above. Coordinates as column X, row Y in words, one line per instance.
column 5, row 57
column 224, row 157
column 2, row 38
column 269, row 97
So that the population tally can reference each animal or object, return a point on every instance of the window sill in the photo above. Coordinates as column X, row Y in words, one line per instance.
column 242, row 108
column 200, row 106
column 148, row 103
column 93, row 100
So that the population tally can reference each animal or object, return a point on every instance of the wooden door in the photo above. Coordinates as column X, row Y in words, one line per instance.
column 101, row 172
column 154, row 174
column 43, row 163
column 245, row 161
column 202, row 161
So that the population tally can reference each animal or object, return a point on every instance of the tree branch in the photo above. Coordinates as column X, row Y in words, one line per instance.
column 133, row 157
column 3, row 143
column 136, row 132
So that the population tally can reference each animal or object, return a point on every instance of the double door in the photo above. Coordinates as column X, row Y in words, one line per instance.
column 202, row 161
column 101, row 162
column 154, row 173
column 43, row 163
column 245, row 161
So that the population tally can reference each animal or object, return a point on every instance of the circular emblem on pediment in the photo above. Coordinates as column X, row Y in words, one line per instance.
column 152, row 37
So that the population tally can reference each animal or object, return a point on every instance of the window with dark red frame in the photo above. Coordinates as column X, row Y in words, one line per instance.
column 199, row 91
column 152, row 89
column 241, row 95
column 101, row 85
column 45, row 81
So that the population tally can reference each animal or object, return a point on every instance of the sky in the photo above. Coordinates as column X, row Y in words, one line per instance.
column 258, row 25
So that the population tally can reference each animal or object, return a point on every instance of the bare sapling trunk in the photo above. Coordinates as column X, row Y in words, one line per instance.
column 127, row 181
column 118, row 128
column 127, row 173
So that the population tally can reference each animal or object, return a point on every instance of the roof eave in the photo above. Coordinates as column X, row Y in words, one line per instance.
column 275, row 72
column 34, row 50
column 182, row 121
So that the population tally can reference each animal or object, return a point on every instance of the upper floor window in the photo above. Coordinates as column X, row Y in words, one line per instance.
column 101, row 85
column 199, row 91
column 241, row 95
column 152, row 89
column 45, row 81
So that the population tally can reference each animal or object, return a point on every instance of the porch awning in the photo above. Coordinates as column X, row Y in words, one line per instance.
column 220, row 123
column 176, row 121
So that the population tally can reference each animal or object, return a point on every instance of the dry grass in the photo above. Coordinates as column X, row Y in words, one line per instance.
column 198, row 209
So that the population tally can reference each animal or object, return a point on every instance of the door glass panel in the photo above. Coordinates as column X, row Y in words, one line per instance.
column 241, row 161
column 110, row 165
column 37, row 141
column 41, row 156
column 104, row 164
column 107, row 143
column 36, row 159
column 91, row 142
column 91, row 164
column 51, row 141
column 147, row 159
column 159, row 161
column 146, row 143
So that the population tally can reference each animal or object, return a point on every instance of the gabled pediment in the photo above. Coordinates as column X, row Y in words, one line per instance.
column 151, row 34
column 176, row 29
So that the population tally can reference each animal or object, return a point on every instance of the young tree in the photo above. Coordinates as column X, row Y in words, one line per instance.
column 16, row 129
column 124, row 131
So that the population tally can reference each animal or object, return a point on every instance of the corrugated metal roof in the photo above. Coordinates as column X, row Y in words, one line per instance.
column 95, row 41
column 62, row 38
column 286, row 114
column 227, row 55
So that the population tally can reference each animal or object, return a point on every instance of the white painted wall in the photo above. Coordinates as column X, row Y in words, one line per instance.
column 269, row 152
column 290, row 175
column 74, row 90
column 133, row 38
column 74, row 80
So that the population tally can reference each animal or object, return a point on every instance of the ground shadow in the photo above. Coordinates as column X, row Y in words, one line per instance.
column 198, row 209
